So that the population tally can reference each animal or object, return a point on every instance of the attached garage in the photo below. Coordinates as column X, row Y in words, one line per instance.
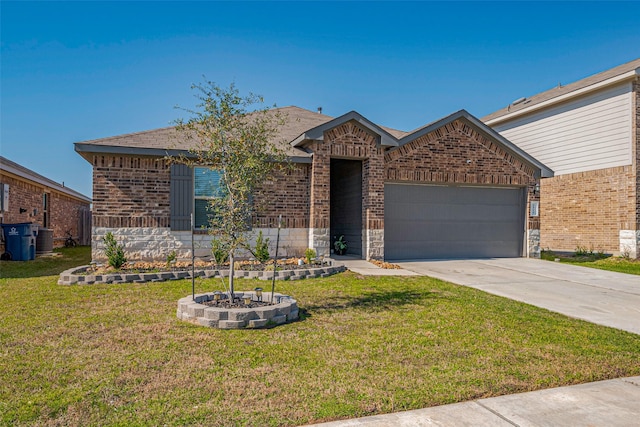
column 446, row 221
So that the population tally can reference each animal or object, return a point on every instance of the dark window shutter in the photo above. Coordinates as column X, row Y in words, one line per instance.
column 181, row 195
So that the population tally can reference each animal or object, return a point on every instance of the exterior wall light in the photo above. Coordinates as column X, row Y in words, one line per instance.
column 217, row 295
column 258, row 293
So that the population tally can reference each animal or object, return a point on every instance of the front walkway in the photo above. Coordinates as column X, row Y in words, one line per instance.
column 366, row 268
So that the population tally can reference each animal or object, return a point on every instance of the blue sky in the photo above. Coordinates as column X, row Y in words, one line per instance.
column 74, row 71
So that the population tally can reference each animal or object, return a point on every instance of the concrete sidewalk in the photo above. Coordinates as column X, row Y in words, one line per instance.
column 611, row 403
column 366, row 268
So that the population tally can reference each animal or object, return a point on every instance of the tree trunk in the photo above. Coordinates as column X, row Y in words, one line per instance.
column 231, row 274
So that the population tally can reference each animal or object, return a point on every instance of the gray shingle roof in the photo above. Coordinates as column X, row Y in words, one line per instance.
column 298, row 120
column 562, row 90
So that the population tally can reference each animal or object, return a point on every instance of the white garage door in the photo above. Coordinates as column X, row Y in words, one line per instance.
column 428, row 221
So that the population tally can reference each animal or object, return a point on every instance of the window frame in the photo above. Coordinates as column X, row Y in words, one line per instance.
column 207, row 198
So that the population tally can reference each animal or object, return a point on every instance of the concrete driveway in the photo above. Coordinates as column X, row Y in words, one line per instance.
column 598, row 296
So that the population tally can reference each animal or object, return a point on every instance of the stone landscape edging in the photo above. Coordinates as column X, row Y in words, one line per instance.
column 74, row 275
column 192, row 309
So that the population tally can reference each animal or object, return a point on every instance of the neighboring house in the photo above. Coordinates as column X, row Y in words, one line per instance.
column 588, row 133
column 29, row 197
column 453, row 188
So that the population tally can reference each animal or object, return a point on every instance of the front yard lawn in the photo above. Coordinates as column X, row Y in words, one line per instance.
column 117, row 354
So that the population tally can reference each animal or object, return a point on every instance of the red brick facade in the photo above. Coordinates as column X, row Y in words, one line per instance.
column 348, row 141
column 286, row 194
column 134, row 191
column 63, row 211
column 130, row 191
column 458, row 154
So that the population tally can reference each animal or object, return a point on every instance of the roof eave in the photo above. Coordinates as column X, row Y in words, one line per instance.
column 83, row 148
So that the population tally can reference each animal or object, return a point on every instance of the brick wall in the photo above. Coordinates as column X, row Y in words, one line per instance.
column 134, row 192
column 130, row 191
column 286, row 194
column 348, row 141
column 26, row 195
column 588, row 209
column 64, row 211
column 457, row 154
column 636, row 147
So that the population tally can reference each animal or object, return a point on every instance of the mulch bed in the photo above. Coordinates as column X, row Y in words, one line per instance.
column 154, row 267
column 237, row 303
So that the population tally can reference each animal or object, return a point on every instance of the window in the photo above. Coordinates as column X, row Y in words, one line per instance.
column 206, row 183
column 45, row 210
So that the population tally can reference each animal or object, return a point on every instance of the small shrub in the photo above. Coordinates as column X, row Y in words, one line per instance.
column 583, row 251
column 309, row 254
column 219, row 251
column 171, row 258
column 262, row 248
column 113, row 251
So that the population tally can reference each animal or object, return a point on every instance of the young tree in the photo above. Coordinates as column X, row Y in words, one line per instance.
column 240, row 144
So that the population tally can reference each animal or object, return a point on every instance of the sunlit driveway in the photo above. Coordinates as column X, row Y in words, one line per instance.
column 598, row 296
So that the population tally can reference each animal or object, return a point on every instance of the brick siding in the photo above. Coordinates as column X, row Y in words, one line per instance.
column 348, row 141
column 64, row 211
column 636, row 147
column 64, row 214
column 134, row 192
column 457, row 154
column 587, row 209
column 286, row 194
column 130, row 191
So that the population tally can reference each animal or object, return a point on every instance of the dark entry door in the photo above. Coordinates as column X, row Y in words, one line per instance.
column 346, row 203
column 424, row 221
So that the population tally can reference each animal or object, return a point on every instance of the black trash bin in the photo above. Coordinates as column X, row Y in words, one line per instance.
column 20, row 241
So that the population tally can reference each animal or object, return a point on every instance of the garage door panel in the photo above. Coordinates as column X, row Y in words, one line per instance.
column 465, row 213
column 448, row 222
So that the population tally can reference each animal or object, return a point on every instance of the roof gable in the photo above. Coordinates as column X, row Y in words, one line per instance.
column 317, row 133
column 480, row 127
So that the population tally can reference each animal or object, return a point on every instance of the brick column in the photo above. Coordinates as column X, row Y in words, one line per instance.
column 319, row 238
column 373, row 204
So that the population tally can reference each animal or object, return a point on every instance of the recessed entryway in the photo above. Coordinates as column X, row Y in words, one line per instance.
column 346, row 203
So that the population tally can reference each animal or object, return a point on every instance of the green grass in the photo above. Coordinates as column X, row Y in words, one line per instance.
column 117, row 355
column 63, row 259
column 596, row 260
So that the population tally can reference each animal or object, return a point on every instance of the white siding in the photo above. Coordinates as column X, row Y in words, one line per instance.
column 593, row 132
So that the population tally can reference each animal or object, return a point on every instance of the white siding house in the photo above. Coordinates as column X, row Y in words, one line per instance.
column 588, row 133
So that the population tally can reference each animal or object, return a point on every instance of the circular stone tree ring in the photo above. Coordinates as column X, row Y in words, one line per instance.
column 284, row 310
